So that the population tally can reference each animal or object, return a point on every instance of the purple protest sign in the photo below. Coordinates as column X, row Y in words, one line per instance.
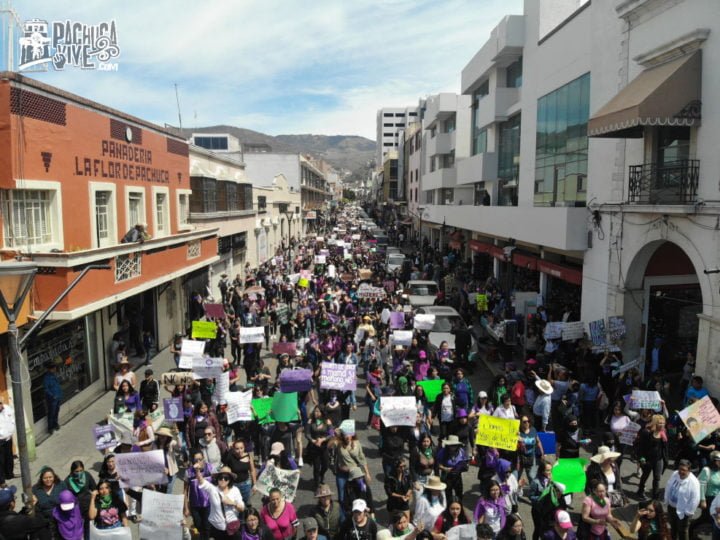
column 173, row 409
column 105, row 437
column 397, row 320
column 287, row 347
column 337, row 376
column 295, row 380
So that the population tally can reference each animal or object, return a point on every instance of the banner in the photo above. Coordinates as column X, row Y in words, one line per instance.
column 122, row 425
column 284, row 407
column 628, row 434
column 261, row 409
column 173, row 409
column 397, row 320
column 118, row 533
column 238, row 406
column 207, row 368
column 105, row 437
column 626, row 367
column 175, row 378
column 500, row 433
column 701, row 418
column 137, row 469
column 597, row 332
column 188, row 350
column 214, row 311
column 570, row 472
column 272, row 477
column 252, row 334
column 296, row 380
column 573, row 330
column 645, row 399
column 204, row 330
column 432, row 388
column 365, row 273
column 367, row 291
column 162, row 517
column 398, row 411
column 402, row 337
column 320, row 259
column 424, row 321
column 337, row 376
column 284, row 347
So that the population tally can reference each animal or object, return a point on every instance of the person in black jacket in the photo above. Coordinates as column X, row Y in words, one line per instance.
column 570, row 439
column 20, row 525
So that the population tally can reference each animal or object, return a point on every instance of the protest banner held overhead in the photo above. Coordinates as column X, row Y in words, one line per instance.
column 239, row 406
column 337, row 376
column 398, row 411
column 190, row 349
column 173, row 409
column 105, row 437
column 701, row 418
column 253, row 334
column 137, row 469
column 204, row 330
column 273, row 477
column 501, row 433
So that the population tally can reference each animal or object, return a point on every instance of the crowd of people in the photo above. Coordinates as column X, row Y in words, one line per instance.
column 315, row 294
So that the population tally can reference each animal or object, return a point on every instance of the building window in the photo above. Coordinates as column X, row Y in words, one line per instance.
column 509, row 148
column 136, row 207
column 400, row 115
column 513, row 74
column 262, row 203
column 388, row 125
column 430, row 197
column 433, row 132
column 388, row 144
column 561, row 145
column 447, row 161
column 204, row 194
column 479, row 141
column 161, row 211
column 387, row 114
column 447, row 195
column 449, row 126
column 212, row 143
column 388, row 134
column 128, row 266
column 28, row 217
column 183, row 208
column 412, row 114
column 481, row 196
column 103, row 218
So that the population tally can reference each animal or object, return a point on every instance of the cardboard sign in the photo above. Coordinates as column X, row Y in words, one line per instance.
column 222, row 387
column 207, row 368
column 461, row 532
column 190, row 349
column 645, row 399
column 105, row 437
column 500, row 433
column 320, row 259
column 616, row 329
column 398, row 411
column 303, row 283
column 252, row 334
column 238, row 406
column 368, row 292
column 701, row 418
column 597, row 332
column 296, row 380
column 173, row 409
column 402, row 337
column 628, row 433
column 389, row 285
column 204, row 330
column 272, row 477
column 338, row 376
column 573, row 330
column 281, row 347
column 137, row 469
column 553, row 330
column 175, row 378
column 432, row 388
column 162, row 515
column 424, row 321
column 627, row 367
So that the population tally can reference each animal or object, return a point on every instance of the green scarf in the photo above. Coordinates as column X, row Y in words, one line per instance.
column 601, row 502
column 105, row 501
column 77, row 483
column 428, row 452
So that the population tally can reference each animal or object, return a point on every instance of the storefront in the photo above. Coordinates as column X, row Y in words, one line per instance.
column 482, row 261
column 563, row 287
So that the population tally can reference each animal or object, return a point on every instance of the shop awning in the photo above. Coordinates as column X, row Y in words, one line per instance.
column 407, row 221
column 497, row 252
column 479, row 247
column 666, row 95
column 455, row 244
column 525, row 261
column 560, row 271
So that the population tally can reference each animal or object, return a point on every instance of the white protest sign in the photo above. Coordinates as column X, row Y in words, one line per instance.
column 355, row 237
column 319, row 259
column 398, row 411
column 207, row 368
column 402, row 337
column 626, row 367
column 553, row 330
column 645, row 399
column 222, row 387
column 285, row 481
column 461, row 532
column 424, row 321
column 573, row 330
column 118, row 533
column 188, row 350
column 238, row 406
column 141, row 468
column 123, row 425
column 252, row 334
column 162, row 515
column 628, row 433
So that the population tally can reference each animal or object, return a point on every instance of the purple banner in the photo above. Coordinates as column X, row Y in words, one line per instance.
column 333, row 318
column 287, row 347
column 397, row 320
column 173, row 408
column 337, row 376
column 105, row 437
column 295, row 380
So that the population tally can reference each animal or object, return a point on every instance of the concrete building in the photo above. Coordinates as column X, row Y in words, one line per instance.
column 390, row 122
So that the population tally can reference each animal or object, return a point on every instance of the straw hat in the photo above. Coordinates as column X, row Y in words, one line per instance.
column 603, row 454
column 434, row 482
column 452, row 440
column 165, row 432
column 544, row 386
column 323, row 490
column 225, row 470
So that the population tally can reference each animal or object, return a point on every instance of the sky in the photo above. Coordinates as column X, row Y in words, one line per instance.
column 275, row 66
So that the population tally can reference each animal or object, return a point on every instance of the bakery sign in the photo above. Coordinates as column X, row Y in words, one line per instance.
column 68, row 43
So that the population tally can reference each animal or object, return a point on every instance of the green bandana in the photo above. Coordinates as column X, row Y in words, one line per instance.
column 77, row 482
column 601, row 502
column 105, row 501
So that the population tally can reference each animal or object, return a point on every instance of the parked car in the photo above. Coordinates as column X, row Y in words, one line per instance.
column 421, row 292
column 395, row 261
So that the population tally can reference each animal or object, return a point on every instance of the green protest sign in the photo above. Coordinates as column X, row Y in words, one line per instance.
column 570, row 472
column 432, row 389
column 204, row 330
column 285, row 406
column 261, row 408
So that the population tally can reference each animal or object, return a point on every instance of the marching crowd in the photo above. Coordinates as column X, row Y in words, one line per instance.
column 342, row 308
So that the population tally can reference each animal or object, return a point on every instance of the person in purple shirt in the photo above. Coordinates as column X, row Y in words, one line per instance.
column 562, row 528
column 197, row 500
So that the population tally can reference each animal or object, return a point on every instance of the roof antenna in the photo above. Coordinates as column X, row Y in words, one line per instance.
column 177, row 98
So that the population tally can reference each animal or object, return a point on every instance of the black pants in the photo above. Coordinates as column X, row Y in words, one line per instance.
column 319, row 463
column 200, row 515
column 656, row 467
column 678, row 527
column 704, row 517
column 6, row 461
column 454, row 485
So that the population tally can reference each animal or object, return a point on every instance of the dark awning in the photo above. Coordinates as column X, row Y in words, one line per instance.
column 666, row 95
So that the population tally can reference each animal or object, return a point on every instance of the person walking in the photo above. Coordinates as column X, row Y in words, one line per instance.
column 682, row 497
column 53, row 396
column 7, row 430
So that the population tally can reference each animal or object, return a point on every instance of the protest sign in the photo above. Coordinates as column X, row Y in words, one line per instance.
column 501, row 433
column 402, row 337
column 293, row 278
column 628, row 433
column 141, row 468
column 105, row 437
column 553, row 330
column 162, row 515
column 252, row 334
column 207, row 368
column 432, row 388
column 597, row 332
column 397, row 320
column 174, row 378
column 461, row 532
column 284, row 347
column 284, row 407
column 616, row 329
column 325, row 252
column 701, row 418
column 319, row 259
column 238, row 406
column 424, row 321
column 173, row 409
column 570, row 472
column 188, row 350
column 261, row 409
column 303, row 283
column 337, row 376
column 123, row 425
column 368, row 291
column 285, row 481
column 481, row 302
column 645, row 399
column 626, row 367
column 214, row 311
column 548, row 441
column 204, row 330
column 222, row 387
column 295, row 380
column 118, row 533
column 573, row 330
column 398, row 411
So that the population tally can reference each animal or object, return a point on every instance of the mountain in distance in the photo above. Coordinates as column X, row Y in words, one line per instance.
column 350, row 153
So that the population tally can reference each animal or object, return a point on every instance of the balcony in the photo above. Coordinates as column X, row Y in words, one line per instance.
column 496, row 107
column 478, row 168
column 442, row 143
column 441, row 178
column 675, row 182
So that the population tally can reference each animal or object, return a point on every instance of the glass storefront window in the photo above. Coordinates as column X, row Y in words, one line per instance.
column 479, row 133
column 509, row 148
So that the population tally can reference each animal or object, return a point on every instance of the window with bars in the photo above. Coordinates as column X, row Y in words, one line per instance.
column 128, row 266
column 28, row 217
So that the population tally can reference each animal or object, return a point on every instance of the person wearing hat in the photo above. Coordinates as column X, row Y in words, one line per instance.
column 542, row 407
column 357, row 487
column 53, row 396
column 226, row 502
column 430, row 500
column 19, row 524
column 562, row 528
column 604, row 468
column 359, row 526
column 452, row 461
column 166, row 441
column 68, row 519
column 326, row 512
column 462, row 390
column 125, row 373
column 149, row 391
column 311, row 530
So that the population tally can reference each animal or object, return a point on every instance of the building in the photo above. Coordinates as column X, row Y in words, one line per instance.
column 391, row 121
column 412, row 151
column 76, row 176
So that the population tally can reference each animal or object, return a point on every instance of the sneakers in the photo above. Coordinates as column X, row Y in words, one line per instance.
column 300, row 462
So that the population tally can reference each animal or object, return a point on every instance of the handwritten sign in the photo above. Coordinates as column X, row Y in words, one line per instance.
column 238, row 406
column 173, row 408
column 162, row 515
column 701, row 418
column 337, row 376
column 175, row 378
column 424, row 321
column 368, row 291
column 222, row 387
column 252, row 334
column 553, row 330
column 402, row 337
column 141, row 468
column 295, row 380
column 188, row 350
column 320, row 259
column 573, row 330
column 645, row 399
column 628, row 433
column 207, row 368
column 105, row 437
column 398, row 411
column 285, row 481
column 616, row 329
column 204, row 330
column 501, row 433
column 626, row 367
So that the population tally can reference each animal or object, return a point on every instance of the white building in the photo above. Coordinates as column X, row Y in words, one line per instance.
column 390, row 122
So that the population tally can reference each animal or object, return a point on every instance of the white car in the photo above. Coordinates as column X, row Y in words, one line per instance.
column 395, row 261
column 421, row 292
column 446, row 318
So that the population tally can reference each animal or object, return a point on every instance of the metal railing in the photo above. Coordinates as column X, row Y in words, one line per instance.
column 674, row 182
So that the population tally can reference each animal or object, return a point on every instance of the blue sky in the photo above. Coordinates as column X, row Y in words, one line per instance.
column 276, row 66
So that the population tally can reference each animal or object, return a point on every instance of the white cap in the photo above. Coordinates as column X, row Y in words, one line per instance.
column 359, row 505
column 276, row 448
column 67, row 506
column 482, row 393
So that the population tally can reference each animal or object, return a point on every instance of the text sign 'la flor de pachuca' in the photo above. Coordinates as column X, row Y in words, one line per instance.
column 68, row 43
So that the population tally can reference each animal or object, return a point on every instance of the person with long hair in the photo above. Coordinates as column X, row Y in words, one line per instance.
column 165, row 440
column 444, row 410
column 47, row 492
column 709, row 479
column 107, row 510
column 348, row 454
column 253, row 528
column 319, row 432
column 81, row 483
column 597, row 513
column 243, row 466
column 422, row 459
column 513, row 530
column 201, row 418
column 452, row 516
column 226, row 503
column 652, row 453
column 109, row 473
column 530, row 449
column 398, row 488
column 126, row 398
column 279, row 516
column 491, row 507
column 650, row 522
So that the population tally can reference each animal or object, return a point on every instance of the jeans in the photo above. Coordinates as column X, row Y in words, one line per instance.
column 678, row 527
column 53, row 411
column 246, row 491
column 341, row 478
column 200, row 515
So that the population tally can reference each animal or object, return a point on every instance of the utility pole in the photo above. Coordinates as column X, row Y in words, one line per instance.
column 177, row 100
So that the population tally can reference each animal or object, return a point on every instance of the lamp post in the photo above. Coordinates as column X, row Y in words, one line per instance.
column 16, row 279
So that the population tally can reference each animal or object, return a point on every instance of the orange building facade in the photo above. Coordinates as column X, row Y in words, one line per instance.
column 75, row 177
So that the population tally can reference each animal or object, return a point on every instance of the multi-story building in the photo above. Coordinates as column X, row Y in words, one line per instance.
column 412, row 151
column 77, row 176
column 391, row 121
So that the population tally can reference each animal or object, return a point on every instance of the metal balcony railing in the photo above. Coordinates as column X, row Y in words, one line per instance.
column 675, row 182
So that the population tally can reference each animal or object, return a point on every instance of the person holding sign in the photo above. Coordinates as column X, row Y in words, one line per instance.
column 652, row 453
column 226, row 502
column 106, row 509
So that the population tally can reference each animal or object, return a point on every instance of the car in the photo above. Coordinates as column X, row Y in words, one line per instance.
column 446, row 318
column 394, row 261
column 421, row 292
column 392, row 249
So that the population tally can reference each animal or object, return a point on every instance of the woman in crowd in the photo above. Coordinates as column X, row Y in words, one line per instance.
column 279, row 516
column 422, row 459
column 253, row 528
column 124, row 374
column 453, row 516
column 348, row 455
column 226, row 503
column 242, row 465
column 530, row 449
column 319, row 431
column 652, row 452
column 47, row 492
column 107, row 510
column 201, row 418
column 650, row 522
column 69, row 522
column 604, row 468
column 166, row 441
column 597, row 513
column 513, row 530
column 491, row 507
column 444, row 410
column 398, row 488
column 81, row 484
column 126, row 399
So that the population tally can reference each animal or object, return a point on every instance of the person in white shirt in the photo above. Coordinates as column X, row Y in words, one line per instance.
column 507, row 409
column 682, row 497
column 226, row 502
column 7, row 430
